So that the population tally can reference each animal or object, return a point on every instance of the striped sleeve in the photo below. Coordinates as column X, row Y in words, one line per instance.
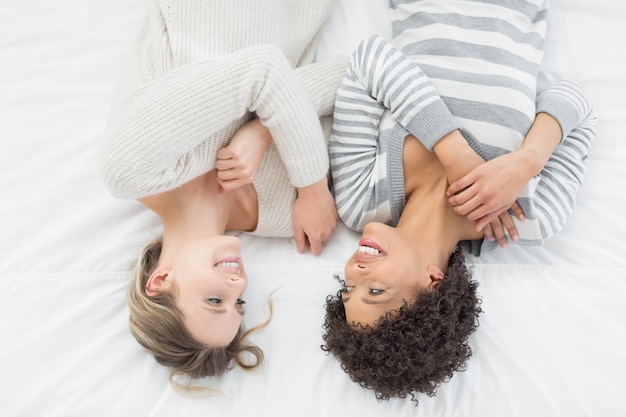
column 553, row 199
column 379, row 77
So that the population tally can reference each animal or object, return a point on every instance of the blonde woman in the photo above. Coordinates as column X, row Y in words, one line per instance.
column 217, row 128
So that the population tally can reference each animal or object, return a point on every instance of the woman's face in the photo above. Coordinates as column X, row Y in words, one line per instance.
column 211, row 281
column 383, row 274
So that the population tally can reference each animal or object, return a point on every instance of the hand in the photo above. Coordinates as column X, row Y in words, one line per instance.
column 489, row 190
column 459, row 162
column 238, row 162
column 495, row 229
column 314, row 217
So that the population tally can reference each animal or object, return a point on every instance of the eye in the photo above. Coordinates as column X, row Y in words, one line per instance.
column 346, row 289
column 213, row 300
column 374, row 291
column 240, row 302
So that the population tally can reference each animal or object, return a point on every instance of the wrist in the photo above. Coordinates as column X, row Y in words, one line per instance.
column 314, row 189
column 540, row 142
column 452, row 148
column 260, row 131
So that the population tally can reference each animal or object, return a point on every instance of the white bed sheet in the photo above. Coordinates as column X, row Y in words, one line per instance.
column 551, row 340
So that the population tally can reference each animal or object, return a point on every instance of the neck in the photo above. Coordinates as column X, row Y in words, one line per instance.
column 428, row 218
column 198, row 209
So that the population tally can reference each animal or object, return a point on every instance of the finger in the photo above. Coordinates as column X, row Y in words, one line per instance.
column 300, row 239
column 461, row 184
column 227, row 175
column 225, row 164
column 485, row 220
column 509, row 225
column 518, row 212
column 224, row 153
column 230, row 185
column 498, row 232
column 315, row 246
column 488, row 232
column 466, row 209
column 485, row 210
column 462, row 197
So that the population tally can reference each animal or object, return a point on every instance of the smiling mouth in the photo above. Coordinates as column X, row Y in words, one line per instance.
column 227, row 265
column 231, row 262
column 368, row 250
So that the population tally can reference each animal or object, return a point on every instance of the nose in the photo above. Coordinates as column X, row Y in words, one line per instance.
column 357, row 266
column 234, row 280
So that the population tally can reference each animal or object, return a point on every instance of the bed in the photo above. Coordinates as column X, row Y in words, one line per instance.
column 551, row 339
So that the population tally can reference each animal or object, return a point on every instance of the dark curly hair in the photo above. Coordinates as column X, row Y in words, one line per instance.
column 415, row 348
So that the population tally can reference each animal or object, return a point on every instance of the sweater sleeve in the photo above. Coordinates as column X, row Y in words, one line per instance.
column 168, row 131
column 553, row 198
column 366, row 158
column 321, row 80
column 400, row 85
column 549, row 198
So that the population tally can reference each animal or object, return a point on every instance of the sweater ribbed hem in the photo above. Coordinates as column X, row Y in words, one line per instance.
column 432, row 123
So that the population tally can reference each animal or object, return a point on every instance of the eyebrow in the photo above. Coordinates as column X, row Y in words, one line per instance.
column 222, row 310
column 365, row 300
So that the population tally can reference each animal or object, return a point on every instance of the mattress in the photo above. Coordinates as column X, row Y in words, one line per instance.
column 551, row 338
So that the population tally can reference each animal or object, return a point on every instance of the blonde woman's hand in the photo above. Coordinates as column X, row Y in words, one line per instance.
column 314, row 217
column 238, row 162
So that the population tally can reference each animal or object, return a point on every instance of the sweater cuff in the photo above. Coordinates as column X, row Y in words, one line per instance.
column 432, row 123
column 563, row 111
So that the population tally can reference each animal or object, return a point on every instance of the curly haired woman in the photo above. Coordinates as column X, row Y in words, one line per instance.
column 414, row 123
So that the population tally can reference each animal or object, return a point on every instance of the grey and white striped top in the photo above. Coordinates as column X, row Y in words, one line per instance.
column 468, row 65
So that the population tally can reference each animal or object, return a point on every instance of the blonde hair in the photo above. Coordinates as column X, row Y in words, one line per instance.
column 156, row 323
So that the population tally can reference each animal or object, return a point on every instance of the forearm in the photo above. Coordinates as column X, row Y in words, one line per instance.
column 561, row 110
column 321, row 81
column 539, row 144
column 170, row 130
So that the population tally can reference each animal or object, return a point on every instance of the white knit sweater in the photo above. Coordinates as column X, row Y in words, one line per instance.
column 199, row 70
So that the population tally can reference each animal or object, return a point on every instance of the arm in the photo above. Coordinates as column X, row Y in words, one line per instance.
column 379, row 77
column 321, row 81
column 398, row 83
column 553, row 158
column 238, row 162
column 169, row 130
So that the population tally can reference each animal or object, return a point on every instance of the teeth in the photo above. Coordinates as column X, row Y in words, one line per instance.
column 227, row 265
column 368, row 250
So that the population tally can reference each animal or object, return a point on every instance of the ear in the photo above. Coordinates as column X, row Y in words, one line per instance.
column 158, row 281
column 436, row 276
